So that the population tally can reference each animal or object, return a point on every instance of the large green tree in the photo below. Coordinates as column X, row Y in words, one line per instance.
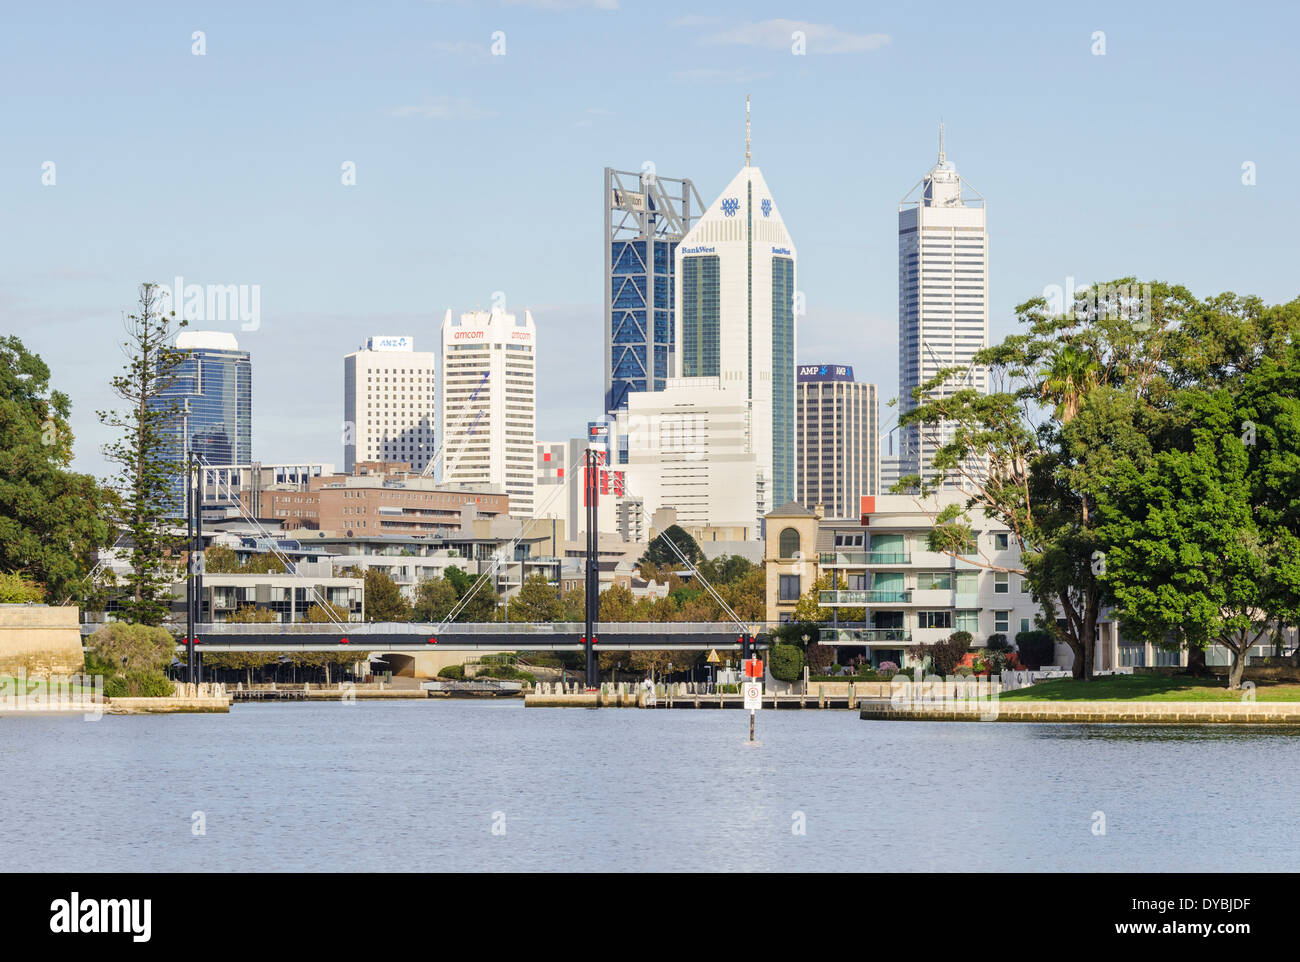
column 1184, row 556
column 537, row 600
column 52, row 520
column 220, row 559
column 481, row 602
column 1074, row 395
column 809, row 610
column 384, row 598
column 434, row 600
column 660, row 554
column 146, row 456
column 1203, row 543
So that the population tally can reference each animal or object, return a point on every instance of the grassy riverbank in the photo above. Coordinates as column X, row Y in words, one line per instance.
column 1149, row 688
column 10, row 684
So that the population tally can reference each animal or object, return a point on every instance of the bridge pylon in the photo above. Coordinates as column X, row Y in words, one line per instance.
column 592, row 599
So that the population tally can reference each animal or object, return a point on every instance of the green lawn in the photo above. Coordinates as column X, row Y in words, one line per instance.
column 33, row 681
column 1148, row 688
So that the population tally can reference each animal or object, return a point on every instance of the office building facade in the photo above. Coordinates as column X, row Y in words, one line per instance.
column 942, row 300
column 389, row 407
column 210, row 396
column 838, row 439
column 646, row 217
column 689, row 450
column 736, row 321
column 489, row 410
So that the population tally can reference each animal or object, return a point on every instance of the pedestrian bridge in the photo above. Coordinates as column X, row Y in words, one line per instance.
column 469, row 636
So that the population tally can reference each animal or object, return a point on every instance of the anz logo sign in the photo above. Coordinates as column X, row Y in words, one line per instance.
column 730, row 205
column 766, row 205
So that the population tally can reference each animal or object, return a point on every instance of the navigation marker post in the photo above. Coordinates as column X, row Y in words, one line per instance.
column 753, row 701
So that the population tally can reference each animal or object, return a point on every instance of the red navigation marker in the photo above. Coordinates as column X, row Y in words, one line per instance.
column 343, row 641
column 433, row 641
column 754, row 668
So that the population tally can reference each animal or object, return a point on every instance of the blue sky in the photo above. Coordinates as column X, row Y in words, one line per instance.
column 479, row 173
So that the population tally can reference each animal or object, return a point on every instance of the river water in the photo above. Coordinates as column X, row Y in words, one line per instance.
column 467, row 785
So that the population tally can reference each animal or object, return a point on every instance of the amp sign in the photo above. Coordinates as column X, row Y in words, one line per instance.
column 825, row 372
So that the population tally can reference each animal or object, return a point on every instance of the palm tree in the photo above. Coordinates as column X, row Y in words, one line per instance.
column 1071, row 374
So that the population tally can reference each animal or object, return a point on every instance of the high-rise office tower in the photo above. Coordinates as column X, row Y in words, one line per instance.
column 689, row 449
column 646, row 217
column 943, row 285
column 735, row 319
column 211, row 393
column 838, row 449
column 388, row 403
column 489, row 406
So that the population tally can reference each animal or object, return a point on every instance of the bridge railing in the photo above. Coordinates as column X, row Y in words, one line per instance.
column 513, row 629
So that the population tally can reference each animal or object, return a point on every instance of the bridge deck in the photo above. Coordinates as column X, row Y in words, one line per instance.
column 491, row 636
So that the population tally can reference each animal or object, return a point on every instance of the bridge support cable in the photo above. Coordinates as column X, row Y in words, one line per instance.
column 501, row 553
column 726, row 608
column 428, row 471
column 289, row 566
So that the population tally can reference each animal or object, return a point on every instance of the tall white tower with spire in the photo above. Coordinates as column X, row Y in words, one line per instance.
column 943, row 285
column 735, row 309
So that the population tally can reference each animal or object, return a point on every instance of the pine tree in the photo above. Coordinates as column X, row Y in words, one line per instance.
column 147, row 466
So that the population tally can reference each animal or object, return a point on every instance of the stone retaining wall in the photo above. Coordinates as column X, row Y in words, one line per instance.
column 40, row 639
column 205, row 697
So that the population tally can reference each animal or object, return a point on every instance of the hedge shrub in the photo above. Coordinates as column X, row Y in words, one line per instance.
column 1036, row 648
column 785, row 662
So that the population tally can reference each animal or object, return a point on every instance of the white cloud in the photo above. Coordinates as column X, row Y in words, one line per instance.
column 779, row 35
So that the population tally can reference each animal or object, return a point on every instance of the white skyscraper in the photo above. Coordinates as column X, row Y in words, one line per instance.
column 943, row 285
column 489, row 383
column 689, row 449
column 735, row 320
column 388, row 403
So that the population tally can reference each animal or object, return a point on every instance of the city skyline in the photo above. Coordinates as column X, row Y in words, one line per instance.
column 270, row 209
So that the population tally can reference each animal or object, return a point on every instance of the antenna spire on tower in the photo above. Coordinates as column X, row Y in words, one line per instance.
column 747, row 130
column 941, row 150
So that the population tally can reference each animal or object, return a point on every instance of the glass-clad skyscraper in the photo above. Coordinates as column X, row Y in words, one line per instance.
column 211, row 393
column 646, row 217
column 736, row 304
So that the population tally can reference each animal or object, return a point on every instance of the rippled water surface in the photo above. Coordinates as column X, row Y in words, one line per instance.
column 422, row 785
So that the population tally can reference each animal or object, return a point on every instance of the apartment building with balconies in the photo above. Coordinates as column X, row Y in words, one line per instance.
column 890, row 590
